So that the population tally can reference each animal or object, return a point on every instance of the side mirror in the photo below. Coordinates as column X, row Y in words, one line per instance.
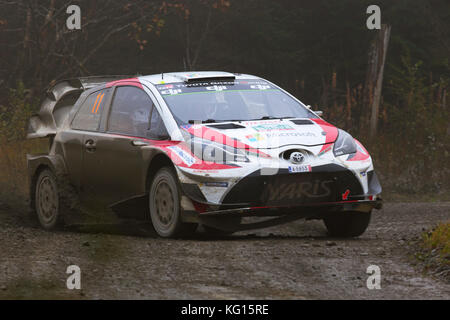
column 139, row 143
column 319, row 113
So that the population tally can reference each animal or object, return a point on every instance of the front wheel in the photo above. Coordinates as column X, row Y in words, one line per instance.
column 165, row 211
column 347, row 224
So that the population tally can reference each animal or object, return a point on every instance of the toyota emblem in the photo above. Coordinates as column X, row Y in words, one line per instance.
column 297, row 157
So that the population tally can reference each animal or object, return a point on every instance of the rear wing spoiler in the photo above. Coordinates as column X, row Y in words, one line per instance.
column 47, row 121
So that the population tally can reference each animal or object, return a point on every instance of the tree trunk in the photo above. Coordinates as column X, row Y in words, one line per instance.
column 374, row 80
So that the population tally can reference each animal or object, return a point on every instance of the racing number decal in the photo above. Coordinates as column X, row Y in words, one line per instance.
column 98, row 102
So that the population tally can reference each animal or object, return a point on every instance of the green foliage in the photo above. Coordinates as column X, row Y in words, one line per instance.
column 434, row 250
column 409, row 92
column 438, row 238
column 413, row 140
column 14, row 117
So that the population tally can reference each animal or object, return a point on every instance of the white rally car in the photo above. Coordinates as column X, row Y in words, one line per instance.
column 209, row 148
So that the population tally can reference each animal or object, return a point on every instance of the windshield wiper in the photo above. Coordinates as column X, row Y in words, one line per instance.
column 238, row 120
column 271, row 118
column 202, row 121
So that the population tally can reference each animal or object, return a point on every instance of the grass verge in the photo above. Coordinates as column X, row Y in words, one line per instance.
column 434, row 251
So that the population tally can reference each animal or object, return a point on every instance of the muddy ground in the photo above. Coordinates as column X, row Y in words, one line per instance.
column 294, row 261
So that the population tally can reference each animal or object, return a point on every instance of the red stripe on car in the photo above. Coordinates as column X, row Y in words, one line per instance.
column 330, row 130
column 125, row 82
column 213, row 135
column 361, row 153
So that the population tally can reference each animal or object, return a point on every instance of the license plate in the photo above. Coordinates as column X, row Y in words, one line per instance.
column 297, row 169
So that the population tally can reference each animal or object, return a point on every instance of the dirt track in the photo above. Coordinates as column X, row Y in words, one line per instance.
column 295, row 261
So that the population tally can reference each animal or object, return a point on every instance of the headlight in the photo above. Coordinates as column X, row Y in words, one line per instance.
column 215, row 152
column 345, row 144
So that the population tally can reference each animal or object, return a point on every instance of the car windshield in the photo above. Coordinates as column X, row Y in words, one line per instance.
column 239, row 100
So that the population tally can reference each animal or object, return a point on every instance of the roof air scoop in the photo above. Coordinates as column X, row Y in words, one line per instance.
column 206, row 76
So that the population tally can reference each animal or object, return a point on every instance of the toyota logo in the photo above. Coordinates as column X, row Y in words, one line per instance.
column 297, row 157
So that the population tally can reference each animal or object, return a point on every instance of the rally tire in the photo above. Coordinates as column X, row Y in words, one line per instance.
column 165, row 208
column 48, row 204
column 347, row 224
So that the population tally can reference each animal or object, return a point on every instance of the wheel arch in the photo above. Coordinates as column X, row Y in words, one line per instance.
column 37, row 164
column 159, row 161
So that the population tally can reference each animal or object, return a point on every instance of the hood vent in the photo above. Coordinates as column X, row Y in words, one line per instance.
column 226, row 126
column 302, row 122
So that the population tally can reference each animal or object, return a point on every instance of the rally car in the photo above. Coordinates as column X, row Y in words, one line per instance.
column 227, row 151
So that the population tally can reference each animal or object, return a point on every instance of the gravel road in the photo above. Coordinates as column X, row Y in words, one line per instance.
column 294, row 261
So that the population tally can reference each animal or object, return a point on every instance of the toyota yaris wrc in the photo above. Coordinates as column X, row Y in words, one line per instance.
column 227, row 151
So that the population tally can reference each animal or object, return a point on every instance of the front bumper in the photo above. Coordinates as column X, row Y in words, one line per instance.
column 324, row 184
column 315, row 210
column 221, row 219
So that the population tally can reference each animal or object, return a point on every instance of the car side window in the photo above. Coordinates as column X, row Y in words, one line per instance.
column 89, row 114
column 131, row 112
column 157, row 129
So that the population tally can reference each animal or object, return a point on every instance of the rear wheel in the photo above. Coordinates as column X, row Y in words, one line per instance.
column 47, row 200
column 165, row 206
column 347, row 224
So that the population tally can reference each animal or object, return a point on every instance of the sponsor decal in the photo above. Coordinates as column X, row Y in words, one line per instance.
column 170, row 92
column 297, row 190
column 185, row 157
column 258, row 122
column 346, row 194
column 297, row 169
column 98, row 102
column 216, row 88
column 186, row 126
column 212, row 86
column 205, row 171
column 254, row 137
column 260, row 87
column 362, row 174
column 216, row 184
column 213, row 135
column 290, row 134
column 272, row 127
